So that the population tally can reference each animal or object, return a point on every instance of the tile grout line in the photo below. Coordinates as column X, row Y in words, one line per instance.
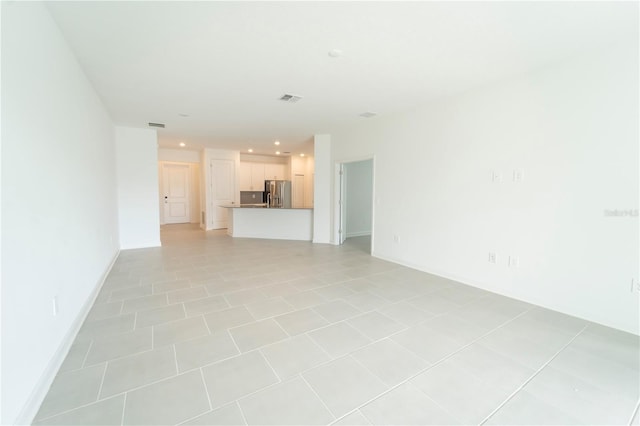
column 535, row 373
column 440, row 361
column 244, row 418
column 406, row 381
column 175, row 358
column 206, row 324
column 280, row 380
column 281, row 328
column 315, row 342
column 124, row 405
column 335, row 418
column 234, row 341
column 84, row 360
column 206, row 389
column 636, row 412
column 104, row 373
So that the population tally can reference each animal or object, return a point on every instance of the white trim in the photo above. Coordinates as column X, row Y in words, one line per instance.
column 30, row 409
column 357, row 234
column 481, row 286
column 148, row 244
column 337, row 194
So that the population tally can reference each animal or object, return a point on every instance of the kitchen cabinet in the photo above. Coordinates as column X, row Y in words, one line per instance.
column 252, row 176
column 275, row 171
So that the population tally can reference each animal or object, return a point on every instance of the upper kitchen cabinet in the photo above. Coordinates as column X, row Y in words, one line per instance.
column 274, row 171
column 252, row 176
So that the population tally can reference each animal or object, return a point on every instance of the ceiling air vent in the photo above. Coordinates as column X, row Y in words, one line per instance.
column 368, row 114
column 290, row 98
column 156, row 125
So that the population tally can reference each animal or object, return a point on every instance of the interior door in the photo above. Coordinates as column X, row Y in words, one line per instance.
column 223, row 190
column 175, row 185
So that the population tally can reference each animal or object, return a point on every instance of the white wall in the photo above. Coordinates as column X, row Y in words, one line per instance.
column 322, row 196
column 178, row 155
column 59, row 206
column 573, row 129
column 137, row 182
column 358, row 198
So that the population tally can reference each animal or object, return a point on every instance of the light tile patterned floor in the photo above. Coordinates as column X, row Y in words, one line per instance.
column 214, row 330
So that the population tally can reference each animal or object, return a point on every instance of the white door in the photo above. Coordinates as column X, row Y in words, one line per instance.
column 223, row 190
column 175, row 185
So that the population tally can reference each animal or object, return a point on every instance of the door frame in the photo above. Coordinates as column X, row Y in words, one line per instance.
column 340, row 199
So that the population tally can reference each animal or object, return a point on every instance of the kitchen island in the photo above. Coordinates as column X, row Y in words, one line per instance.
column 272, row 223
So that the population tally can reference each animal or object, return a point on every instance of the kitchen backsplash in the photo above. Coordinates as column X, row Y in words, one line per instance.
column 251, row 197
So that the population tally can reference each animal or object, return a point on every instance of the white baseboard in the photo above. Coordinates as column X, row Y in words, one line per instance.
column 31, row 407
column 358, row 234
column 139, row 245
column 482, row 286
column 462, row 280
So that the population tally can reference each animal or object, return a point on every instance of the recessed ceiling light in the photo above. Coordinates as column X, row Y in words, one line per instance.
column 301, row 155
column 368, row 114
column 183, row 144
column 335, row 53
column 250, row 150
column 277, row 152
column 183, row 115
column 276, row 143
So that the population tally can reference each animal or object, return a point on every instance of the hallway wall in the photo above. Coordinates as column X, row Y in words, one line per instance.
column 59, row 205
column 447, row 192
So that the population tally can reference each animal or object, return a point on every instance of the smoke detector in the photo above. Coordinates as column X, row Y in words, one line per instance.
column 368, row 114
column 290, row 98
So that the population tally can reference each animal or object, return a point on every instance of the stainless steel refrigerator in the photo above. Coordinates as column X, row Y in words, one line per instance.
column 277, row 193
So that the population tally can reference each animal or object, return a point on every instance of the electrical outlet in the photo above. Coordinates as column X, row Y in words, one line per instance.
column 492, row 257
column 635, row 286
column 396, row 239
column 496, row 176
column 54, row 303
column 518, row 175
column 514, row 261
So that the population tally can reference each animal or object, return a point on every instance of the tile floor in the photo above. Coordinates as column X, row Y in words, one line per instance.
column 212, row 330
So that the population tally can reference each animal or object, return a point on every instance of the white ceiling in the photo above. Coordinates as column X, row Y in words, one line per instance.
column 225, row 64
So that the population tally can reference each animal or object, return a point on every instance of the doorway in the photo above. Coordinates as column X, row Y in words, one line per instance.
column 355, row 204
